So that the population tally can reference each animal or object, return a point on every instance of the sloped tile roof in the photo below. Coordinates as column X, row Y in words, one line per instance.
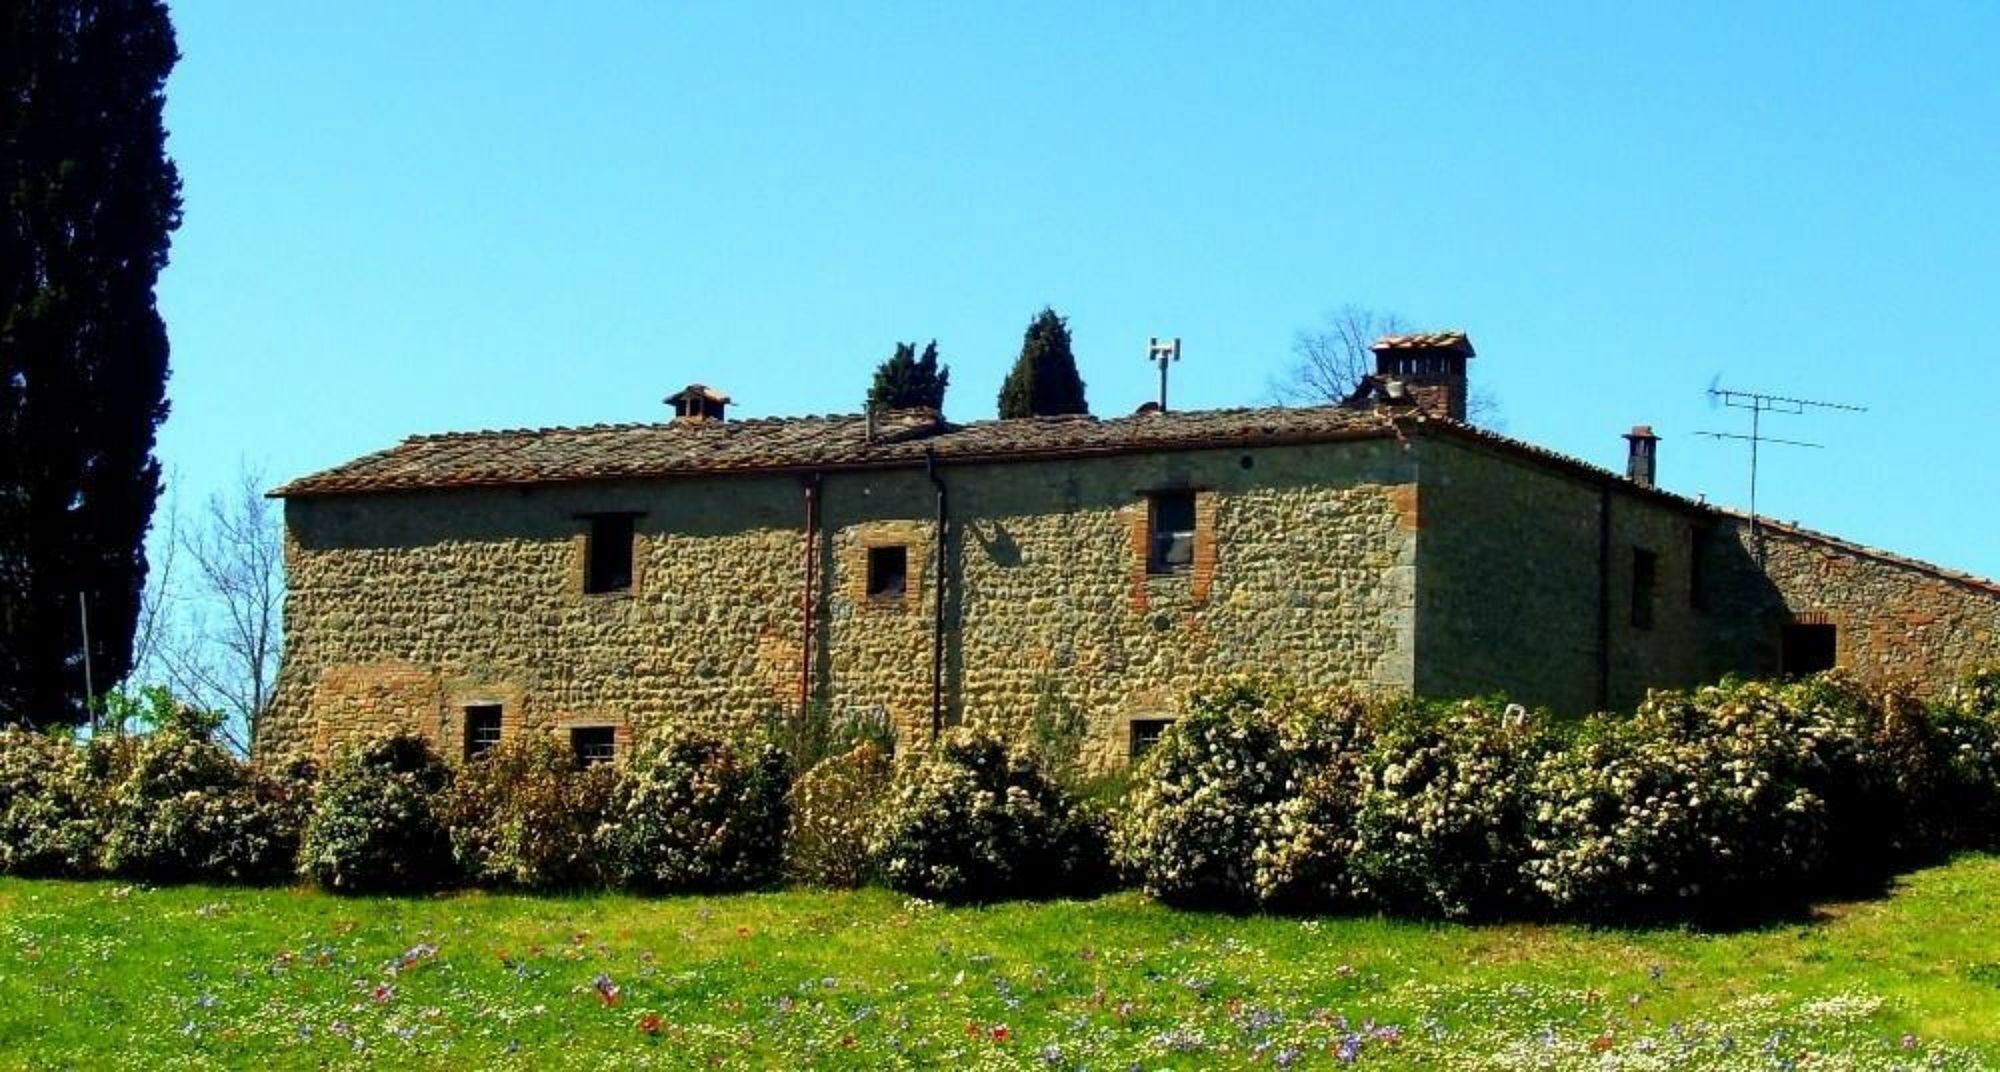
column 905, row 437
column 1425, row 340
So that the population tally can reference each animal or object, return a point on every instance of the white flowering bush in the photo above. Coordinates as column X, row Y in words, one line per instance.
column 1700, row 803
column 1302, row 862
column 1440, row 814
column 54, row 792
column 695, row 812
column 966, row 820
column 375, row 825
column 525, row 815
column 834, row 809
column 1205, row 803
column 188, row 810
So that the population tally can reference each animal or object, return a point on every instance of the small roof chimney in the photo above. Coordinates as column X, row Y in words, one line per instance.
column 696, row 402
column 1432, row 363
column 1642, row 456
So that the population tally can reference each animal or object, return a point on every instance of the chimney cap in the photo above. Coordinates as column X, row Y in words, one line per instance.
column 1452, row 341
column 698, row 392
column 1641, row 431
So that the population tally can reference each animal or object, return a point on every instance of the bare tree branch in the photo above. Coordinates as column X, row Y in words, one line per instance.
column 1331, row 360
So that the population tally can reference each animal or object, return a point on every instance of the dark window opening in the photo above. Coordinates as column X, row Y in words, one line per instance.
column 593, row 745
column 888, row 572
column 608, row 564
column 1172, row 529
column 482, row 729
column 1645, row 575
column 1146, row 733
column 1808, row 649
column 1697, row 569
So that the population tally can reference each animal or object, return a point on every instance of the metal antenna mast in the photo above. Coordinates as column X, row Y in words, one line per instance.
column 1759, row 404
column 1163, row 352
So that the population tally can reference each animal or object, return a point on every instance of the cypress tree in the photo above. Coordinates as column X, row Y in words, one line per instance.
column 1044, row 380
column 906, row 381
column 91, row 200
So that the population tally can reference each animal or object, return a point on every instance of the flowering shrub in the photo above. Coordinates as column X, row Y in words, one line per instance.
column 1440, row 812
column 697, row 813
column 524, row 815
column 189, row 811
column 833, row 810
column 375, row 826
column 1205, row 803
column 966, row 820
column 1303, row 862
column 1699, row 802
column 53, row 795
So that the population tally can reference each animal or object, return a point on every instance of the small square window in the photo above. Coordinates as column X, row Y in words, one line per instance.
column 1170, row 517
column 1645, row 576
column 593, row 745
column 888, row 572
column 482, row 729
column 608, row 554
column 1146, row 733
column 1809, row 648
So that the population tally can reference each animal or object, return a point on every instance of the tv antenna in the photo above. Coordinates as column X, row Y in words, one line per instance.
column 1163, row 352
column 1759, row 403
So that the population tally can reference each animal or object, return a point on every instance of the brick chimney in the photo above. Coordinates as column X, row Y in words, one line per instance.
column 1642, row 456
column 698, row 403
column 1429, row 365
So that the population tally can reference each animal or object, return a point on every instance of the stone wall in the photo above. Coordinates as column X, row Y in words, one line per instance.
column 406, row 607
column 1893, row 619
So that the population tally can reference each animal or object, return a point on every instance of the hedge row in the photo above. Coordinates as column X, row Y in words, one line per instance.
column 1733, row 798
column 1700, row 804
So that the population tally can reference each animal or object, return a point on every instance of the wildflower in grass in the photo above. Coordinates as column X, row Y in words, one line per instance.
column 1348, row 1050
column 651, row 1023
column 607, row 991
column 383, row 993
column 1001, row 1033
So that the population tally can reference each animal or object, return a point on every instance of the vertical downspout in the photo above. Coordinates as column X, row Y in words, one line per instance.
column 806, row 600
column 937, row 600
column 1604, row 597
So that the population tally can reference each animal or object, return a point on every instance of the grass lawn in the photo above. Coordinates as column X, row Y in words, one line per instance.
column 101, row 975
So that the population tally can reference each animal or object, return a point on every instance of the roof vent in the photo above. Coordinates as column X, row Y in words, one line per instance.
column 696, row 402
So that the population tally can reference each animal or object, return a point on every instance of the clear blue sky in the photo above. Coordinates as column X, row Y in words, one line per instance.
column 426, row 217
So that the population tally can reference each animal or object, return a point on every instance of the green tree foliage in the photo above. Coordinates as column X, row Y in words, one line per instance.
column 1044, row 380
column 91, row 199
column 906, row 381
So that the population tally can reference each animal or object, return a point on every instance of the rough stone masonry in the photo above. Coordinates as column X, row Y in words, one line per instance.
column 714, row 572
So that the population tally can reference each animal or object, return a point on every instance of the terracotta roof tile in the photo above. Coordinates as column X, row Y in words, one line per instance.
column 904, row 437
column 1425, row 340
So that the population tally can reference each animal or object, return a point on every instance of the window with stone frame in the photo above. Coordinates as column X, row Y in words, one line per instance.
column 607, row 562
column 888, row 572
column 1146, row 733
column 1170, row 531
column 593, row 745
column 1645, row 579
column 483, row 729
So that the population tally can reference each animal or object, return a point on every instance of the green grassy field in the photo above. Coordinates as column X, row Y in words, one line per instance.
column 101, row 975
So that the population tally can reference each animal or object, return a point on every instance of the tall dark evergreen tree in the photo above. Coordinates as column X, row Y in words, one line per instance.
column 91, row 199
column 1044, row 380
column 906, row 381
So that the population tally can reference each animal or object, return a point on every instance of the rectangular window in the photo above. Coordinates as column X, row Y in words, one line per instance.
column 593, row 745
column 1809, row 648
column 888, row 572
column 608, row 554
column 482, row 729
column 1146, row 733
column 1698, row 568
column 1645, row 575
column 1171, row 521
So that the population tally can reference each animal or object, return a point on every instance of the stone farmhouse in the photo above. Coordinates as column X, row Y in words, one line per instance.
column 600, row 582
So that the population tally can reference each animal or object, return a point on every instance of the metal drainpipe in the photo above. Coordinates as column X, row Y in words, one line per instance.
column 937, row 600
column 806, row 600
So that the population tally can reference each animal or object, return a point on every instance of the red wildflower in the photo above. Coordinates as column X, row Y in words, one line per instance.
column 651, row 1023
column 1000, row 1033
